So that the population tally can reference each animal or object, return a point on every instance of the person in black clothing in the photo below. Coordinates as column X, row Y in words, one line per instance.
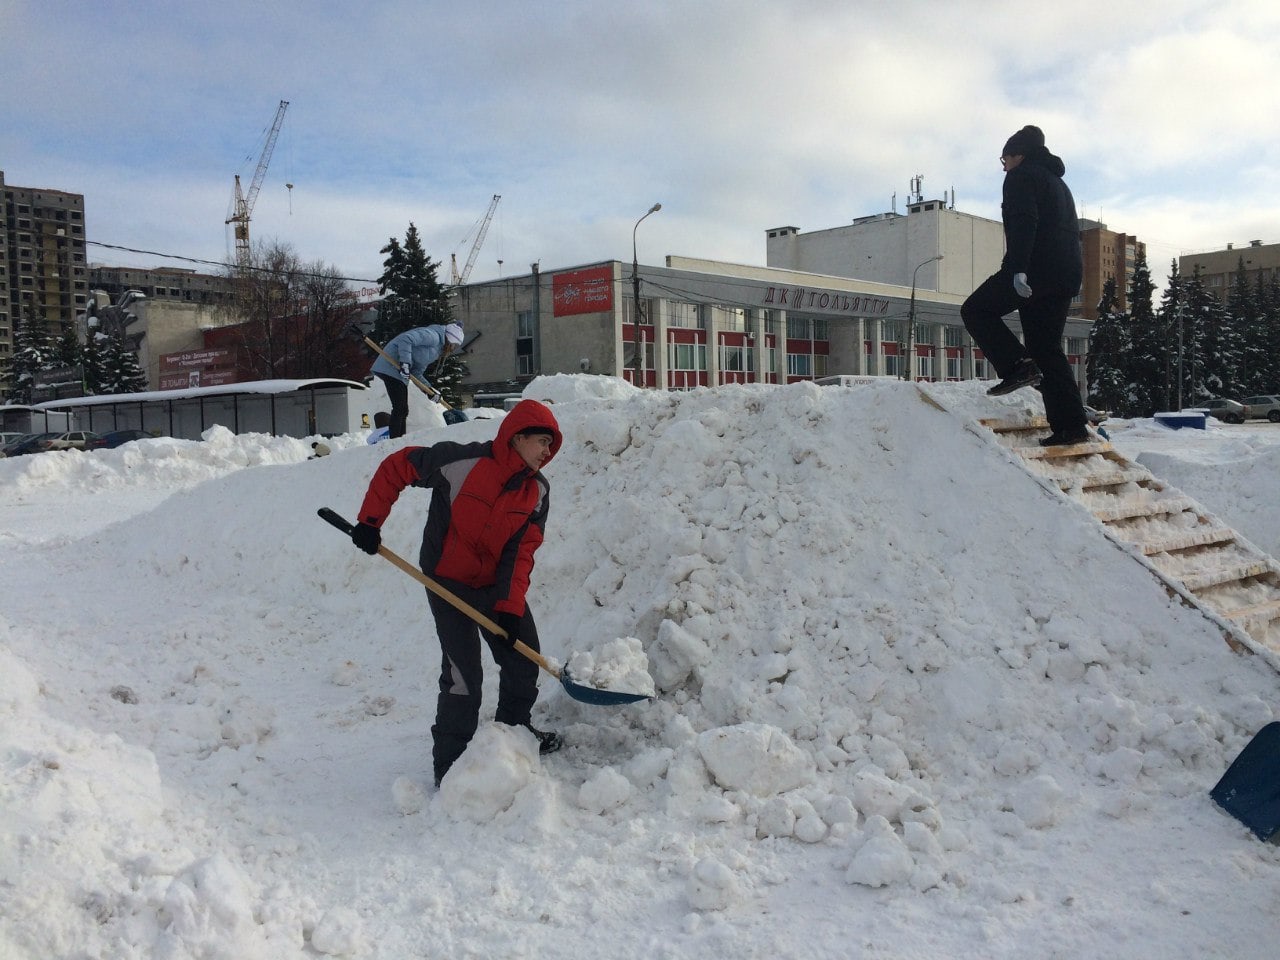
column 1039, row 276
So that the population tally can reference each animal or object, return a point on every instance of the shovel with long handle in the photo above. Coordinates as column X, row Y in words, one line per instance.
column 578, row 691
column 432, row 393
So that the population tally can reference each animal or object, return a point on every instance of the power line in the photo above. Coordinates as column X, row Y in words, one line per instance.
column 214, row 263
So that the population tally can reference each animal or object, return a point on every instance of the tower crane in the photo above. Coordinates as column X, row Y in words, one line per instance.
column 244, row 202
column 461, row 278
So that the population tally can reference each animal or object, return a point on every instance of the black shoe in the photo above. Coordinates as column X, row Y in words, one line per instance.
column 548, row 740
column 1025, row 373
column 1066, row 439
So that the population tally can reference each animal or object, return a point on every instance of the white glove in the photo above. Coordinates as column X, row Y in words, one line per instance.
column 1020, row 284
column 404, row 372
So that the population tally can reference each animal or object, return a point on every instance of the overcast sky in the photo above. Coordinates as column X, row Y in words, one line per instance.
column 736, row 115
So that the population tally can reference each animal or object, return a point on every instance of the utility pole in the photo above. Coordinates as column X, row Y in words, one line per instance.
column 908, row 372
column 638, row 318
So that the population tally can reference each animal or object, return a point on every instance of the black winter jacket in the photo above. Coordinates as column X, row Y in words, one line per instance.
column 1041, row 229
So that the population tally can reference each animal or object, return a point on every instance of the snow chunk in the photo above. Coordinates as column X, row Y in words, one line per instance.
column 1039, row 803
column 619, row 665
column 606, row 790
column 754, row 757
column 877, row 796
column 882, row 859
column 712, row 885
column 338, row 934
column 17, row 686
column 499, row 762
column 407, row 795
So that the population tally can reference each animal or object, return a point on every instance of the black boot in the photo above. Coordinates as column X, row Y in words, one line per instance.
column 548, row 740
column 1067, row 438
column 1025, row 373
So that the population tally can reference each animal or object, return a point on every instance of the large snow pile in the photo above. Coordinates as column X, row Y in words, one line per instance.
column 909, row 703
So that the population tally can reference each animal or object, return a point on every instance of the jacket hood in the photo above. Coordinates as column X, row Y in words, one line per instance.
column 526, row 413
column 1041, row 157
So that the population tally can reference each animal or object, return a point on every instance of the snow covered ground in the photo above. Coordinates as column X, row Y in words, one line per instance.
column 908, row 704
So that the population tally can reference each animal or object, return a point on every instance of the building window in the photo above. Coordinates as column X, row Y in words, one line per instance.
column 735, row 318
column 684, row 315
column 798, row 365
column 687, row 356
column 737, row 359
column 524, row 343
column 798, row 328
column 953, row 336
column 953, row 368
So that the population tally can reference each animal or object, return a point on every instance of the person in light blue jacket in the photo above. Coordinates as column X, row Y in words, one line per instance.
column 414, row 351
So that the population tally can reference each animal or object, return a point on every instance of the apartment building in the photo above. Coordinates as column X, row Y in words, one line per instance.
column 42, row 258
column 1107, row 255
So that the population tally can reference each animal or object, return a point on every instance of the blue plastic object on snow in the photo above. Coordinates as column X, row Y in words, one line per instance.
column 1250, row 789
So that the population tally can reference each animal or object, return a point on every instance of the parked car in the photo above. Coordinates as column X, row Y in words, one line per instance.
column 109, row 441
column 68, row 440
column 1266, row 405
column 1228, row 411
column 26, row 444
column 8, row 438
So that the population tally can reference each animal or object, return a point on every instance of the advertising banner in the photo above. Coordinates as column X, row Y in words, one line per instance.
column 583, row 291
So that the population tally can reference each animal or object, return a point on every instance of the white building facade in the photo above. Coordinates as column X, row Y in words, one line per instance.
column 706, row 323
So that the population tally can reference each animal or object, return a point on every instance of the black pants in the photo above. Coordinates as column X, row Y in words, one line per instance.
column 1044, row 318
column 461, row 674
column 398, row 394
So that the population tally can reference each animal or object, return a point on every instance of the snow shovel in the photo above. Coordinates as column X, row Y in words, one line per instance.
column 1250, row 789
column 578, row 691
column 451, row 414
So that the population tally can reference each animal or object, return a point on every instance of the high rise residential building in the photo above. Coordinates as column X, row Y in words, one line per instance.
column 1107, row 255
column 42, row 259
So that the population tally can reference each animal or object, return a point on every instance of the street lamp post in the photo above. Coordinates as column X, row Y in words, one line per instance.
column 635, row 289
column 909, row 372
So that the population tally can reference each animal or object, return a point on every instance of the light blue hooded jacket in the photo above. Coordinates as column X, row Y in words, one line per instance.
column 419, row 347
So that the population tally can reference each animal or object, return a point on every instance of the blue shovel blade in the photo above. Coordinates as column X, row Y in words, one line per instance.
column 601, row 698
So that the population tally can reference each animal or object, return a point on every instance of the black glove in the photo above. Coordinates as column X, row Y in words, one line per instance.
column 405, row 372
column 367, row 537
column 510, row 625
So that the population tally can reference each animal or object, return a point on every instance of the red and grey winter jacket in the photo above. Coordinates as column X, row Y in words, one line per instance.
column 488, row 509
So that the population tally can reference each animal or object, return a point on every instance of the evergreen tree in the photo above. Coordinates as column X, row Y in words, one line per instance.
column 1259, row 359
column 412, row 295
column 1230, row 362
column 1271, row 317
column 120, row 364
column 1201, row 319
column 1109, row 349
column 1149, row 364
column 33, row 350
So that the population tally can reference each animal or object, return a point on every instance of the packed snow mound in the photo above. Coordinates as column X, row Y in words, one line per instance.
column 887, row 664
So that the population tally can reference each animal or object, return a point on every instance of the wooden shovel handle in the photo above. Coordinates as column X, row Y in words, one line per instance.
column 444, row 593
column 432, row 394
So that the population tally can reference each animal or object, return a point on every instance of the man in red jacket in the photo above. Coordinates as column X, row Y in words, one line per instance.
column 487, row 514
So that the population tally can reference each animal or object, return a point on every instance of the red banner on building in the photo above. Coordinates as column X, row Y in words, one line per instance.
column 583, row 291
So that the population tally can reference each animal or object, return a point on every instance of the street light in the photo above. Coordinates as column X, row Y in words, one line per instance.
column 635, row 287
column 909, row 372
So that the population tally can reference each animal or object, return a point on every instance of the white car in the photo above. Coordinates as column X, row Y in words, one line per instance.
column 1265, row 405
column 72, row 440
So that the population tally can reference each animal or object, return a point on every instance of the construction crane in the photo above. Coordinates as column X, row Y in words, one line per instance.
column 244, row 202
column 460, row 278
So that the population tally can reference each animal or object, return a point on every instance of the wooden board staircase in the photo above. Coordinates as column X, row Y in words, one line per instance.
column 1198, row 557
